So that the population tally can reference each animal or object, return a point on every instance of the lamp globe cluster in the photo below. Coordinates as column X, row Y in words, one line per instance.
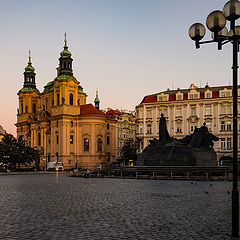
column 216, row 22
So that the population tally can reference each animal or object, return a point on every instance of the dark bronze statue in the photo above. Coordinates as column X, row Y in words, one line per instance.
column 164, row 136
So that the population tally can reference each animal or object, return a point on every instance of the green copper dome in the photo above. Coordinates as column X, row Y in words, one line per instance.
column 97, row 99
column 29, row 67
column 65, row 53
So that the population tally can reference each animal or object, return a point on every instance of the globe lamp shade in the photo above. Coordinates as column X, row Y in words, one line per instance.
column 231, row 10
column 222, row 33
column 197, row 31
column 216, row 21
column 236, row 34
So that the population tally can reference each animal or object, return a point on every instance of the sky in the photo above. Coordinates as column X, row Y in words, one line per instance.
column 126, row 48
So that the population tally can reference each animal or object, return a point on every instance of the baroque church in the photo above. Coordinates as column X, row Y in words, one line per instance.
column 59, row 122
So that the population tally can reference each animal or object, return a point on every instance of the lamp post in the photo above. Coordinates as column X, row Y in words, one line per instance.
column 216, row 22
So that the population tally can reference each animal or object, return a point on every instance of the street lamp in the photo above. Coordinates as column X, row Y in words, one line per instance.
column 216, row 22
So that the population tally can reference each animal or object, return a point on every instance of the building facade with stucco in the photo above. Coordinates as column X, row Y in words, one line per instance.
column 60, row 123
column 186, row 108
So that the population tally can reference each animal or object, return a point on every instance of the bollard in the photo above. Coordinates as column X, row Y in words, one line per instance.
column 153, row 175
column 171, row 175
column 136, row 174
column 187, row 174
column 207, row 175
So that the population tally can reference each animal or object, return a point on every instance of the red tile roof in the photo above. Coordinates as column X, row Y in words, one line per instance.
column 89, row 109
column 111, row 112
column 150, row 99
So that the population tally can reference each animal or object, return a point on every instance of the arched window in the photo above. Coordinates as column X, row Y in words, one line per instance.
column 99, row 145
column 34, row 108
column 71, row 99
column 58, row 99
column 86, row 145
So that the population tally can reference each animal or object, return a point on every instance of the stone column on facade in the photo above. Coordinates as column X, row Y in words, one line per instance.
column 32, row 138
column 93, row 140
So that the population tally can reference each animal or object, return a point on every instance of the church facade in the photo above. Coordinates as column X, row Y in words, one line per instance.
column 59, row 122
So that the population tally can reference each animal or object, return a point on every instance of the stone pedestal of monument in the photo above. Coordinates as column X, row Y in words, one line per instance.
column 177, row 155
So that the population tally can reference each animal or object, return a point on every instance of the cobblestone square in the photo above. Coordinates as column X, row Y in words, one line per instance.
column 54, row 206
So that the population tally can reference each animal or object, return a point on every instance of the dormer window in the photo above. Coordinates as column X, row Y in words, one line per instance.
column 179, row 96
column 163, row 97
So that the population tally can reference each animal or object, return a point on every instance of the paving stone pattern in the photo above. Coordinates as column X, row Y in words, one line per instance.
column 60, row 207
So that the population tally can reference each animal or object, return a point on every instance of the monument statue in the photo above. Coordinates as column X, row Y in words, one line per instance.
column 164, row 136
column 195, row 149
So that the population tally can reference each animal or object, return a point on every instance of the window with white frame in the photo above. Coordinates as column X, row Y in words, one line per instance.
column 229, row 143
column 192, row 127
column 193, row 111
column 229, row 126
column 223, row 143
column 223, row 109
column 228, row 94
column 149, row 128
column 222, row 125
column 179, row 112
column 179, row 97
column 208, row 110
column 208, row 94
column 179, row 128
column 229, row 109
column 223, row 94
column 149, row 113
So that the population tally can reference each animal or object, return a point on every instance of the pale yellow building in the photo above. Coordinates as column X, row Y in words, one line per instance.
column 186, row 108
column 60, row 123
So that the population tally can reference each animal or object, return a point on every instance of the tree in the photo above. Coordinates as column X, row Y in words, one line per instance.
column 15, row 152
column 129, row 152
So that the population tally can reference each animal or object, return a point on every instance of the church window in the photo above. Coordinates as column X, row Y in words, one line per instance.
column 57, row 139
column 46, row 104
column 71, row 139
column 99, row 145
column 86, row 145
column 57, row 124
column 71, row 123
column 108, row 126
column 58, row 99
column 21, row 107
column 39, row 138
column 71, row 99
column 108, row 140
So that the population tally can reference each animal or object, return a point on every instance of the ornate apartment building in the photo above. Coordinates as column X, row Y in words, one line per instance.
column 125, row 128
column 186, row 108
column 59, row 122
